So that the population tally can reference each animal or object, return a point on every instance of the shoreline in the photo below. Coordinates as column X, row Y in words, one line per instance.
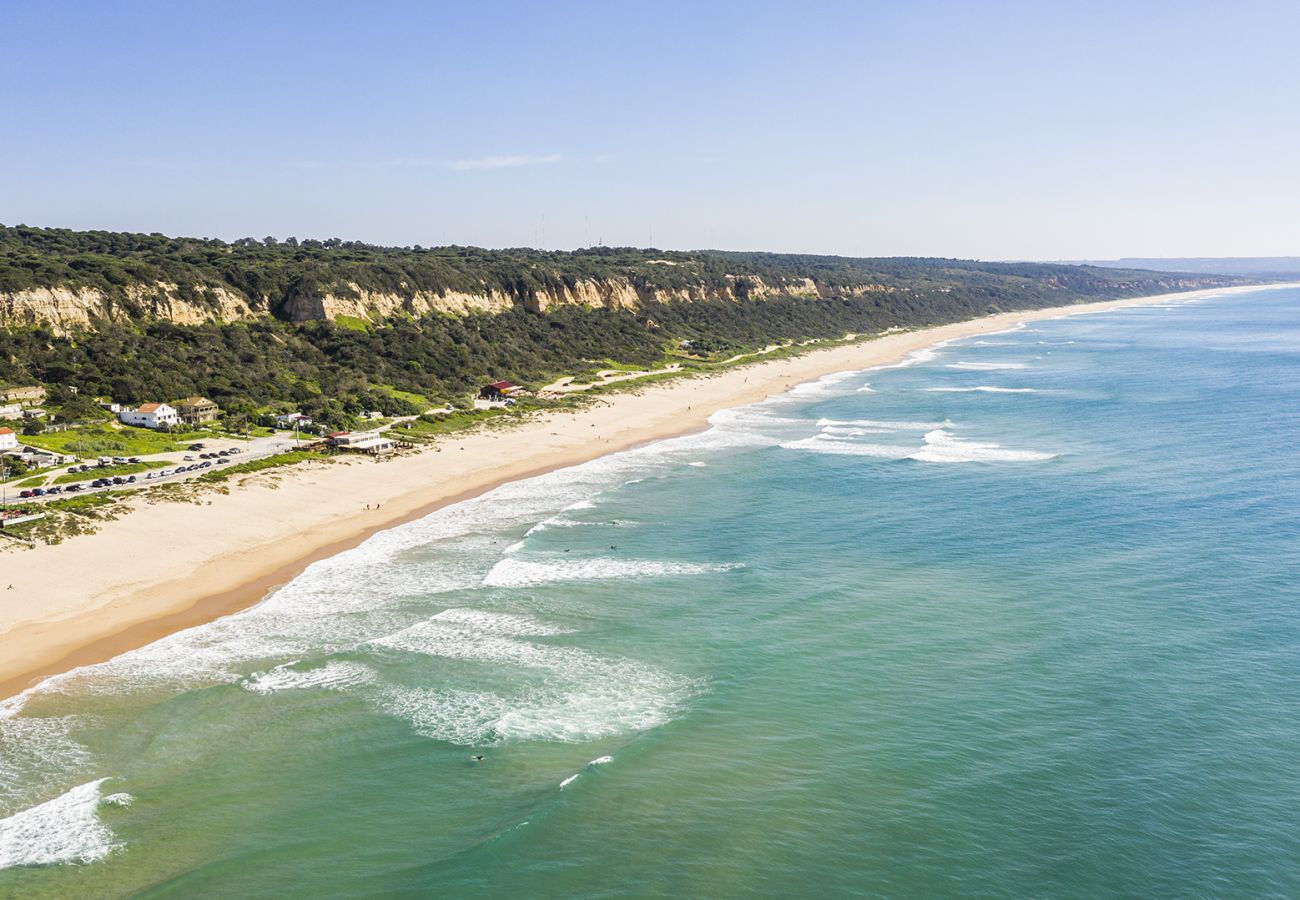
column 171, row 566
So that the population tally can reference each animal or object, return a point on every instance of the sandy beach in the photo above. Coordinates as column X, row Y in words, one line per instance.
column 167, row 566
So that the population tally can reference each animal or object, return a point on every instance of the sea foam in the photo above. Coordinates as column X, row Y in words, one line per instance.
column 944, row 447
column 63, row 830
column 513, row 572
column 985, row 366
column 980, row 389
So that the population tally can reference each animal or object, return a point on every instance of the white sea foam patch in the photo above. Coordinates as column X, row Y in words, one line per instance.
column 866, row 389
column 838, row 447
column 513, row 572
column 489, row 622
column 880, row 425
column 944, row 447
column 845, row 431
column 335, row 675
column 980, row 389
column 63, row 830
column 582, row 695
column 34, row 751
column 985, row 366
column 827, row 384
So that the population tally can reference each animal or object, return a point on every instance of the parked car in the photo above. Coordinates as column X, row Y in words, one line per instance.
column 135, row 459
column 118, row 479
column 189, row 458
column 26, row 495
column 73, row 488
column 195, row 447
column 130, row 479
column 38, row 492
column 206, row 465
column 55, row 490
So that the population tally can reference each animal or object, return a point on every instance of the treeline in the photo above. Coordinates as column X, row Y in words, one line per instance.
column 270, row 274
column 332, row 372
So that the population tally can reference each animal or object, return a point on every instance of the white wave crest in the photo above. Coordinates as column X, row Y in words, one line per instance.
column 520, row 573
column 981, row 389
column 836, row 447
column 944, row 447
column 63, row 830
column 986, row 366
column 598, row 761
column 880, row 425
column 334, row 676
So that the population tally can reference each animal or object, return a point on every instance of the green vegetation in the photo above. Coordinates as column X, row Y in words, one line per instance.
column 291, row 458
column 110, row 440
column 333, row 371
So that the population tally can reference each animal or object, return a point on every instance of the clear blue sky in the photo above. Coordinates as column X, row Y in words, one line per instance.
column 991, row 129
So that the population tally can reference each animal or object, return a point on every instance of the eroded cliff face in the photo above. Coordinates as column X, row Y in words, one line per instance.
column 66, row 310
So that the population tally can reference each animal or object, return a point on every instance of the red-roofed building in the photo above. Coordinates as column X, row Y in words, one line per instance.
column 8, row 440
column 150, row 415
column 499, row 390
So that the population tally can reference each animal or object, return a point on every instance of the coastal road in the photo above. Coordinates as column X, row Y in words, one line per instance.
column 256, row 448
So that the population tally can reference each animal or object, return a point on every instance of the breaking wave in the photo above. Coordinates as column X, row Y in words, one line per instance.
column 519, row 573
column 63, row 830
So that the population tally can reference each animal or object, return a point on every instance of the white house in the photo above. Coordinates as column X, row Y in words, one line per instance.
column 8, row 440
column 292, row 420
column 11, row 411
column 150, row 415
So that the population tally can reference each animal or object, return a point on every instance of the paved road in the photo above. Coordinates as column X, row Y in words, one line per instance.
column 256, row 448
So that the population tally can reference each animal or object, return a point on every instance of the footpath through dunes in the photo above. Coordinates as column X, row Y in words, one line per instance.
column 97, row 600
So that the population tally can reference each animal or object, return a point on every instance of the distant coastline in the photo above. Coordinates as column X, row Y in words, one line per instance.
column 169, row 566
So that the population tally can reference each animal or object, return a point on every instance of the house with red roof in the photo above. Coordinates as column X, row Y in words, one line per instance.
column 150, row 415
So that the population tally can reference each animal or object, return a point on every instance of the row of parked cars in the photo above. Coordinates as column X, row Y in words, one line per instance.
column 50, row 491
column 220, row 457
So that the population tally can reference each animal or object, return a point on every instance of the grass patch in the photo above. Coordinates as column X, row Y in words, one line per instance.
column 291, row 458
column 419, row 400
column 352, row 323
column 111, row 440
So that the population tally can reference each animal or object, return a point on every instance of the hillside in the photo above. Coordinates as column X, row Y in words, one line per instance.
column 334, row 327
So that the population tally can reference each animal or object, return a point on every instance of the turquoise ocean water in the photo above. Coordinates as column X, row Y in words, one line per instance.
column 1016, row 619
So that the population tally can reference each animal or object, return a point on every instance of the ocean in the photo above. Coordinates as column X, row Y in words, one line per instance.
column 1018, row 617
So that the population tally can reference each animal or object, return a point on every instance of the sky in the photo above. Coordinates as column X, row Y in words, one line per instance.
column 989, row 130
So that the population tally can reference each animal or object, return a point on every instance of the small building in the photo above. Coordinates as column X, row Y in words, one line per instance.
column 34, row 412
column 197, row 410
column 150, row 415
column 27, row 396
column 500, row 390
column 11, row 411
column 110, row 406
column 292, row 420
column 8, row 439
column 371, row 442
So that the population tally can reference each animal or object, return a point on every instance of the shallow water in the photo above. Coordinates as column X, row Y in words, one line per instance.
column 1018, row 618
